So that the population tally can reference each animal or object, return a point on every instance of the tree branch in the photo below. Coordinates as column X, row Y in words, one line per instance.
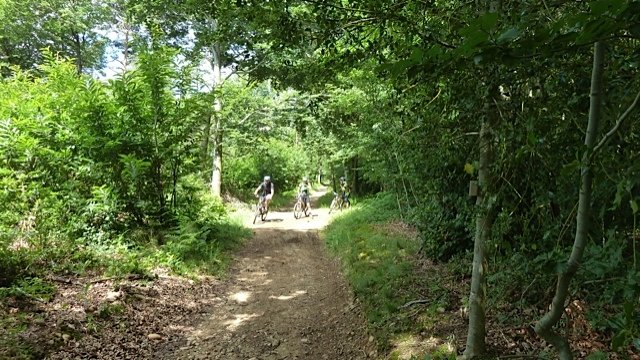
column 415, row 302
column 615, row 128
column 339, row 7
column 359, row 21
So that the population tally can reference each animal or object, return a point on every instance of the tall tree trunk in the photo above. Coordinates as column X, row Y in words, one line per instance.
column 544, row 327
column 78, row 42
column 476, row 332
column 484, row 222
column 125, row 50
column 216, row 152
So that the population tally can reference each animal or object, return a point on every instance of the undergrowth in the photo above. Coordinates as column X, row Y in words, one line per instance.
column 198, row 244
column 380, row 264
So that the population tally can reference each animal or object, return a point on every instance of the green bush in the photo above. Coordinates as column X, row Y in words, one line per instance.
column 241, row 174
column 285, row 164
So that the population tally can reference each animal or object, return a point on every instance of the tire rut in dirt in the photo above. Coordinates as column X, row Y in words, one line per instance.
column 285, row 299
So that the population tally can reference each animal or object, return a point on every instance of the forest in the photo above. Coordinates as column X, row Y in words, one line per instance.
column 504, row 134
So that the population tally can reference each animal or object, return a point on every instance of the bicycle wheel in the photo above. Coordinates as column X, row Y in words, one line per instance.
column 263, row 214
column 297, row 210
column 256, row 214
column 334, row 205
column 307, row 211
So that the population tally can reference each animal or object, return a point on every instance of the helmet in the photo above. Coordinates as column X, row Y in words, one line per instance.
column 305, row 179
column 342, row 178
column 267, row 178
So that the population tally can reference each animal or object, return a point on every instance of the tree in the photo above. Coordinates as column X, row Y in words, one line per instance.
column 70, row 28
column 544, row 327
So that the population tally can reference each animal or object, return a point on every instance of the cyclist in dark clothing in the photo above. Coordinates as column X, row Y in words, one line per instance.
column 265, row 191
column 345, row 190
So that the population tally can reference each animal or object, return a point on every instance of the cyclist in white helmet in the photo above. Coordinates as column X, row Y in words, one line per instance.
column 265, row 191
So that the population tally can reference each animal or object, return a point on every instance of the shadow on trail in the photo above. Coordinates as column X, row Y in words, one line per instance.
column 284, row 299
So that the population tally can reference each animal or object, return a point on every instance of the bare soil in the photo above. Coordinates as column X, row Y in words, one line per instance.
column 283, row 297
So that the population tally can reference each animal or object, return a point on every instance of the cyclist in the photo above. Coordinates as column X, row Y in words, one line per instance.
column 303, row 192
column 265, row 191
column 344, row 190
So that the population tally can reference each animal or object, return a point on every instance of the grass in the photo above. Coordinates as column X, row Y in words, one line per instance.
column 379, row 260
column 284, row 200
column 12, row 345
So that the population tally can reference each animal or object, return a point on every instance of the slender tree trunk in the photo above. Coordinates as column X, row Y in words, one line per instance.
column 216, row 160
column 78, row 44
column 125, row 50
column 476, row 331
column 484, row 222
column 216, row 152
column 544, row 327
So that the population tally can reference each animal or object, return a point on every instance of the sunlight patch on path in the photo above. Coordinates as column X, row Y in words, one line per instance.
column 241, row 297
column 239, row 320
column 410, row 347
column 289, row 297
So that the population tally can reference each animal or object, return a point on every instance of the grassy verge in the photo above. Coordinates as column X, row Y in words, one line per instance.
column 378, row 253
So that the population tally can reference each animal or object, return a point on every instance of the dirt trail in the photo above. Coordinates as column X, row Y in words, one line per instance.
column 284, row 298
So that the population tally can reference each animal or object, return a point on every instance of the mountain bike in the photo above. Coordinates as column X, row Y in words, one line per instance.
column 300, row 207
column 261, row 210
column 339, row 202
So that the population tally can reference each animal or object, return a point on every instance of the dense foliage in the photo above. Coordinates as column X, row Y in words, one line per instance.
column 391, row 94
column 89, row 165
column 413, row 83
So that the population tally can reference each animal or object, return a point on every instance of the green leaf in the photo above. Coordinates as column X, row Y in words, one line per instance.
column 629, row 308
column 561, row 267
column 472, row 42
column 417, row 55
column 613, row 7
column 598, row 355
column 617, row 200
column 571, row 169
column 508, row 35
column 487, row 21
column 634, row 206
column 599, row 7
column 618, row 340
